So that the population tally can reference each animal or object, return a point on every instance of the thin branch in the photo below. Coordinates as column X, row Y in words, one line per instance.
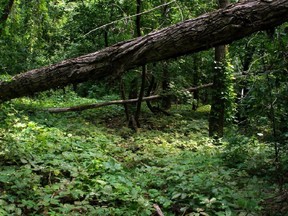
column 192, row 89
column 180, row 11
column 128, row 17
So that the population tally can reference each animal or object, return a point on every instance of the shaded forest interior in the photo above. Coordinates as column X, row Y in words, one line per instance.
column 159, row 118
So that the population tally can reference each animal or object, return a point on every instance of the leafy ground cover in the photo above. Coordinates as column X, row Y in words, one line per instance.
column 89, row 163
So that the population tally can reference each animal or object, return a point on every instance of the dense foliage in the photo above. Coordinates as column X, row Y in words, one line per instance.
column 91, row 163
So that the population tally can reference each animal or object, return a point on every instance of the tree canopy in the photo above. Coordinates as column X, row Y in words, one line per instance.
column 208, row 30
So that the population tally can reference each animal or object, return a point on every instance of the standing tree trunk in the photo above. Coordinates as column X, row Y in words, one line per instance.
column 166, row 100
column 242, row 90
column 134, row 109
column 196, row 81
column 217, row 114
column 5, row 14
column 144, row 67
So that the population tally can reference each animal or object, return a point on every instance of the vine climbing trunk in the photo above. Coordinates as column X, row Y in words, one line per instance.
column 217, row 113
column 206, row 31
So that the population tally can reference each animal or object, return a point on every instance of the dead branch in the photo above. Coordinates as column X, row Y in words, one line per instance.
column 116, row 102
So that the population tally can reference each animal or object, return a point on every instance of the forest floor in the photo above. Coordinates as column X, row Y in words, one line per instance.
column 90, row 163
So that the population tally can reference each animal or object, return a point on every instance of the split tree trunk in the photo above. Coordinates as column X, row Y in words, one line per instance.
column 206, row 31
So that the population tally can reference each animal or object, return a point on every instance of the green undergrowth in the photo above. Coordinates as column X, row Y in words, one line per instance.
column 90, row 163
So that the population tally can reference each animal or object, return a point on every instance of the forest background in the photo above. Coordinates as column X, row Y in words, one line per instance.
column 168, row 156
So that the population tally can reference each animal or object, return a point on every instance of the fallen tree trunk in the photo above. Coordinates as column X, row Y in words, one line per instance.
column 220, row 27
column 116, row 102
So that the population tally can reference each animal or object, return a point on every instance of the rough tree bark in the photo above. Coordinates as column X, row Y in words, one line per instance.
column 217, row 113
column 212, row 29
